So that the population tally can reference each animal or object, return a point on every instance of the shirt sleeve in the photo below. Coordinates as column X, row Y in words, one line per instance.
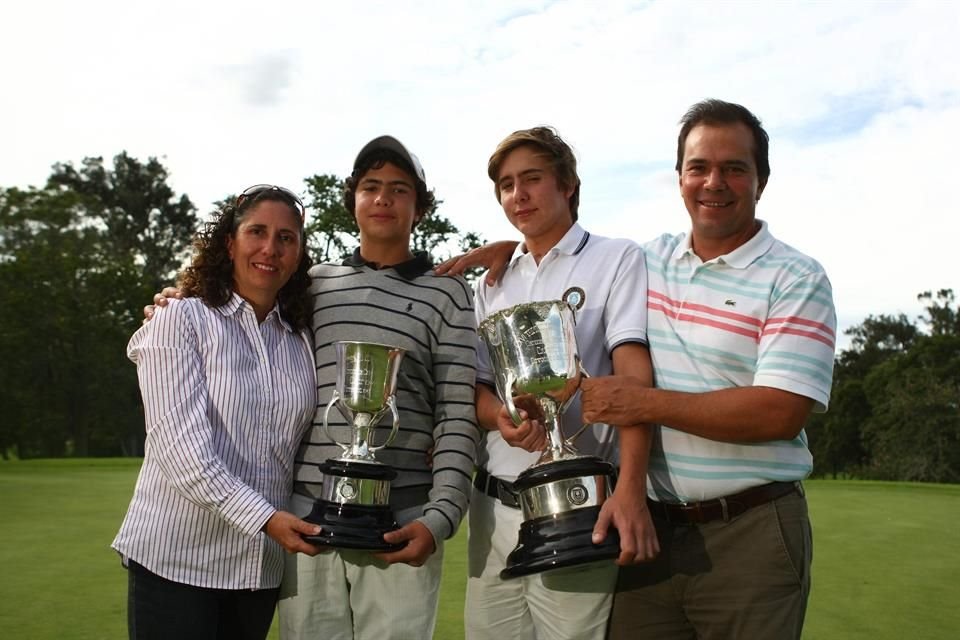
column 484, row 367
column 625, row 313
column 179, row 435
column 455, row 430
column 133, row 346
column 798, row 339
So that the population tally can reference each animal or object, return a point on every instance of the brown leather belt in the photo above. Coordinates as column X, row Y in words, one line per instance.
column 496, row 488
column 722, row 508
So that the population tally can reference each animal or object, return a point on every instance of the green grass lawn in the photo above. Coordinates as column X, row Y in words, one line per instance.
column 886, row 556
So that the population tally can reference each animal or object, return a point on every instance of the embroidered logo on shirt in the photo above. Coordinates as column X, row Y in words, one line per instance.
column 409, row 307
column 575, row 297
column 730, row 303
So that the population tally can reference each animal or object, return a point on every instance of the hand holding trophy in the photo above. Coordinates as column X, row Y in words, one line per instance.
column 533, row 350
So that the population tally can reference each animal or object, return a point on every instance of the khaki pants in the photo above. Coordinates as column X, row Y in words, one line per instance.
column 348, row 594
column 564, row 604
column 747, row 578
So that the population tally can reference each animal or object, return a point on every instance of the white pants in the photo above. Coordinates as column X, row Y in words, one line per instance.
column 348, row 594
column 563, row 604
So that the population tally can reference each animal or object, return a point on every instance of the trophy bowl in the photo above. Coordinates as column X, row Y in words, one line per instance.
column 353, row 510
column 533, row 351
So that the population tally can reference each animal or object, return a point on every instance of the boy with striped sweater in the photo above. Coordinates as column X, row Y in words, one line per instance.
column 385, row 293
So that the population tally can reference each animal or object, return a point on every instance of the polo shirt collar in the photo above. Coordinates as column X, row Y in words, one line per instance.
column 573, row 242
column 741, row 257
column 416, row 266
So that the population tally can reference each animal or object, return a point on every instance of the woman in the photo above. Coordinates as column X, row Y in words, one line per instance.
column 228, row 385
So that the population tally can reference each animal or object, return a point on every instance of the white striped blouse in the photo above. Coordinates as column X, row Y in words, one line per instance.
column 226, row 403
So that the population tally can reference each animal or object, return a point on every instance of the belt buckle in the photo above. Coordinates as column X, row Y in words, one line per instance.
column 693, row 513
column 703, row 517
column 678, row 513
column 505, row 495
column 694, row 508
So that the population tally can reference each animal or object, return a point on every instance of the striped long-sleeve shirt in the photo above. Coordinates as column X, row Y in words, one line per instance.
column 431, row 317
column 761, row 315
column 226, row 402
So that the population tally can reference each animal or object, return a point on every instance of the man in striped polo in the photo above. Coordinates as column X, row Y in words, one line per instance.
column 388, row 294
column 742, row 332
column 535, row 179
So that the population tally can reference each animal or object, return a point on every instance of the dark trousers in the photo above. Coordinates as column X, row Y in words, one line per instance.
column 744, row 579
column 159, row 609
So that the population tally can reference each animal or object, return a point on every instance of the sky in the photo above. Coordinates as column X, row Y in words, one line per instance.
column 861, row 100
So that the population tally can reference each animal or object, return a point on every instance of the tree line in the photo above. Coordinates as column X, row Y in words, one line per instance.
column 895, row 406
column 79, row 258
column 81, row 255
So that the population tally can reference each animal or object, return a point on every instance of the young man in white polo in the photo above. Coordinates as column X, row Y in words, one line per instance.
column 536, row 182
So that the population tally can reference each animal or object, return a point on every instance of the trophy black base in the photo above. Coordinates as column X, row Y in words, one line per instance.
column 562, row 539
column 355, row 525
column 556, row 542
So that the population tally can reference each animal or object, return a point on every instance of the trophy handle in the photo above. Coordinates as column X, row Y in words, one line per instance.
column 508, row 399
column 569, row 441
column 392, row 403
column 326, row 426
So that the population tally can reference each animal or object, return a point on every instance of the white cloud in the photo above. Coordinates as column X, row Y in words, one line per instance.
column 861, row 100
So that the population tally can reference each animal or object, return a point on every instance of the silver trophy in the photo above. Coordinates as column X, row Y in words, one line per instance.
column 533, row 350
column 353, row 510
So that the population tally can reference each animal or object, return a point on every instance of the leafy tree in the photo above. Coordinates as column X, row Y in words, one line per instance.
column 942, row 318
column 875, row 340
column 895, row 407
column 914, row 429
column 48, row 325
column 77, row 259
column 836, row 437
column 331, row 229
column 139, row 211
column 33, row 306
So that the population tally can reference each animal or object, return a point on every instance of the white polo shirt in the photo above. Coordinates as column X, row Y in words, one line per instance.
column 610, row 276
column 761, row 315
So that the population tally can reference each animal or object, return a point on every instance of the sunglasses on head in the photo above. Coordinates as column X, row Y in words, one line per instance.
column 257, row 189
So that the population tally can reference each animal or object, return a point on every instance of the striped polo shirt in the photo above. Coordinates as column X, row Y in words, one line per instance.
column 606, row 278
column 431, row 317
column 761, row 315
column 226, row 401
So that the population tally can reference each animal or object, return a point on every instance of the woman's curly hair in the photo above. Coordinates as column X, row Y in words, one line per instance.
column 210, row 274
